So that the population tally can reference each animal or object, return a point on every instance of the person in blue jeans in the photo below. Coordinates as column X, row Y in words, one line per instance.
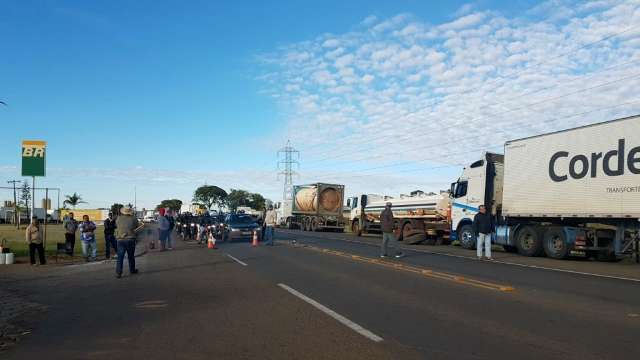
column 88, row 237
column 270, row 220
column 126, row 235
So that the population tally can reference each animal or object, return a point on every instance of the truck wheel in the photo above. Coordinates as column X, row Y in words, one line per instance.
column 528, row 242
column 305, row 224
column 555, row 243
column 355, row 228
column 467, row 237
column 289, row 225
column 314, row 225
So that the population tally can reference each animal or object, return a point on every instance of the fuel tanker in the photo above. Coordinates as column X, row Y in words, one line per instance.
column 316, row 207
column 419, row 217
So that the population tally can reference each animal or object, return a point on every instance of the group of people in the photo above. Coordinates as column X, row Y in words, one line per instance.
column 120, row 234
column 166, row 224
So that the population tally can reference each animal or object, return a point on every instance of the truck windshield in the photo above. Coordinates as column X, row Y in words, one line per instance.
column 461, row 189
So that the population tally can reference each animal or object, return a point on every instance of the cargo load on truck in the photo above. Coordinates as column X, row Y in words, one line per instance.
column 419, row 217
column 316, row 207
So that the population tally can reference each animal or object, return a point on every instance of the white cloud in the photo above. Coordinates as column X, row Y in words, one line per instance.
column 400, row 90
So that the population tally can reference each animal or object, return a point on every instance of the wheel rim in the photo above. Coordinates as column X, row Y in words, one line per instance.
column 467, row 237
column 556, row 243
column 527, row 241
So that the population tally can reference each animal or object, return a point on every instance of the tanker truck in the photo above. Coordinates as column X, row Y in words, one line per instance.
column 316, row 207
column 419, row 217
column 569, row 193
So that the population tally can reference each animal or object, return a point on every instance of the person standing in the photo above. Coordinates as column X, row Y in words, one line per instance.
column 70, row 227
column 163, row 229
column 110, row 236
column 34, row 239
column 270, row 219
column 88, row 237
column 172, row 225
column 482, row 228
column 126, row 227
column 388, row 237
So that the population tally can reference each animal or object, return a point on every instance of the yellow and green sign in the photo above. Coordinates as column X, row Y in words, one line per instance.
column 33, row 158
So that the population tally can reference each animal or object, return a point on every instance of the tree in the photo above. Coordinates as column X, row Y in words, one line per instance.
column 209, row 195
column 25, row 195
column 237, row 198
column 257, row 201
column 173, row 204
column 74, row 200
column 115, row 209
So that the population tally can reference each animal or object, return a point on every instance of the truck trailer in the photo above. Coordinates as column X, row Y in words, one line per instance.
column 316, row 207
column 568, row 193
column 418, row 218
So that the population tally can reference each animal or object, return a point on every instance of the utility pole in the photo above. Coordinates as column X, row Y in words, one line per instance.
column 288, row 157
column 15, row 201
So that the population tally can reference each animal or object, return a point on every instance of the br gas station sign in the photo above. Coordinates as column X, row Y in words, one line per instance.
column 34, row 158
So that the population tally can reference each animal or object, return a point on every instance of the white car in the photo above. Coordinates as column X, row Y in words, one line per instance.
column 149, row 219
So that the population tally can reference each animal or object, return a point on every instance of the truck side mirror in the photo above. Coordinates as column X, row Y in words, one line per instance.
column 363, row 201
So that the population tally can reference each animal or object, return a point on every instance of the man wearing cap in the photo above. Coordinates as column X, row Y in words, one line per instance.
column 126, row 227
column 387, row 224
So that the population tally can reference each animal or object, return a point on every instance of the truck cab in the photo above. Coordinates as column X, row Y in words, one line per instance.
column 356, row 204
column 479, row 184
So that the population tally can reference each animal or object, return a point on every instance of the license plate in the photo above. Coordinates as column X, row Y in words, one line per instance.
column 246, row 233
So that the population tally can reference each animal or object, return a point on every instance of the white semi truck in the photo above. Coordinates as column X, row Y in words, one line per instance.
column 418, row 218
column 568, row 193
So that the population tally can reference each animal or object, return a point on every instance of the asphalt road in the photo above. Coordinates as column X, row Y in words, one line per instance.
column 325, row 299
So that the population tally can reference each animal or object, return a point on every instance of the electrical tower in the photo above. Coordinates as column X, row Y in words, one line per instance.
column 288, row 158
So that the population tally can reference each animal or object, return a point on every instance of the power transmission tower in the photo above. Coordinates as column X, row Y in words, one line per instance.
column 288, row 158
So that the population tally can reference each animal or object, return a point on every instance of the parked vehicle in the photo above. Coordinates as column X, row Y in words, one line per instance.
column 419, row 217
column 315, row 207
column 568, row 193
column 240, row 226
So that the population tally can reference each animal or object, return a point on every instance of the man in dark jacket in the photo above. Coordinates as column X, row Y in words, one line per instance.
column 482, row 228
column 110, row 236
column 387, row 224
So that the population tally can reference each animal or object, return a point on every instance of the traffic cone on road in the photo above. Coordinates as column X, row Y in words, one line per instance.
column 211, row 244
column 255, row 239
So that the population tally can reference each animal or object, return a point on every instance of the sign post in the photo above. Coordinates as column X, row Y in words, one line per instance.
column 34, row 164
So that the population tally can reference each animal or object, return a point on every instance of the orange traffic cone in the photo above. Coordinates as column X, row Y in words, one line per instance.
column 211, row 244
column 255, row 239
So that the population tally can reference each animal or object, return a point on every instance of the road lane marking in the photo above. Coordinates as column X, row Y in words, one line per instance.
column 414, row 269
column 474, row 258
column 238, row 261
column 343, row 320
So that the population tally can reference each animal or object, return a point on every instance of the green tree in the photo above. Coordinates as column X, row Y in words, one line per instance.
column 115, row 209
column 237, row 198
column 209, row 195
column 25, row 195
column 173, row 204
column 74, row 200
column 257, row 201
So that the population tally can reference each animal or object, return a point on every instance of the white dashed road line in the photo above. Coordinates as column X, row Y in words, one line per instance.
column 343, row 320
column 238, row 261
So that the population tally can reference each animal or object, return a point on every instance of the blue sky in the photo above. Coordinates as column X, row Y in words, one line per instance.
column 167, row 95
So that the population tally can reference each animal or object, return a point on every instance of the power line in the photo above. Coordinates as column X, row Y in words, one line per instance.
column 344, row 154
column 495, row 114
column 439, row 157
column 529, row 67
